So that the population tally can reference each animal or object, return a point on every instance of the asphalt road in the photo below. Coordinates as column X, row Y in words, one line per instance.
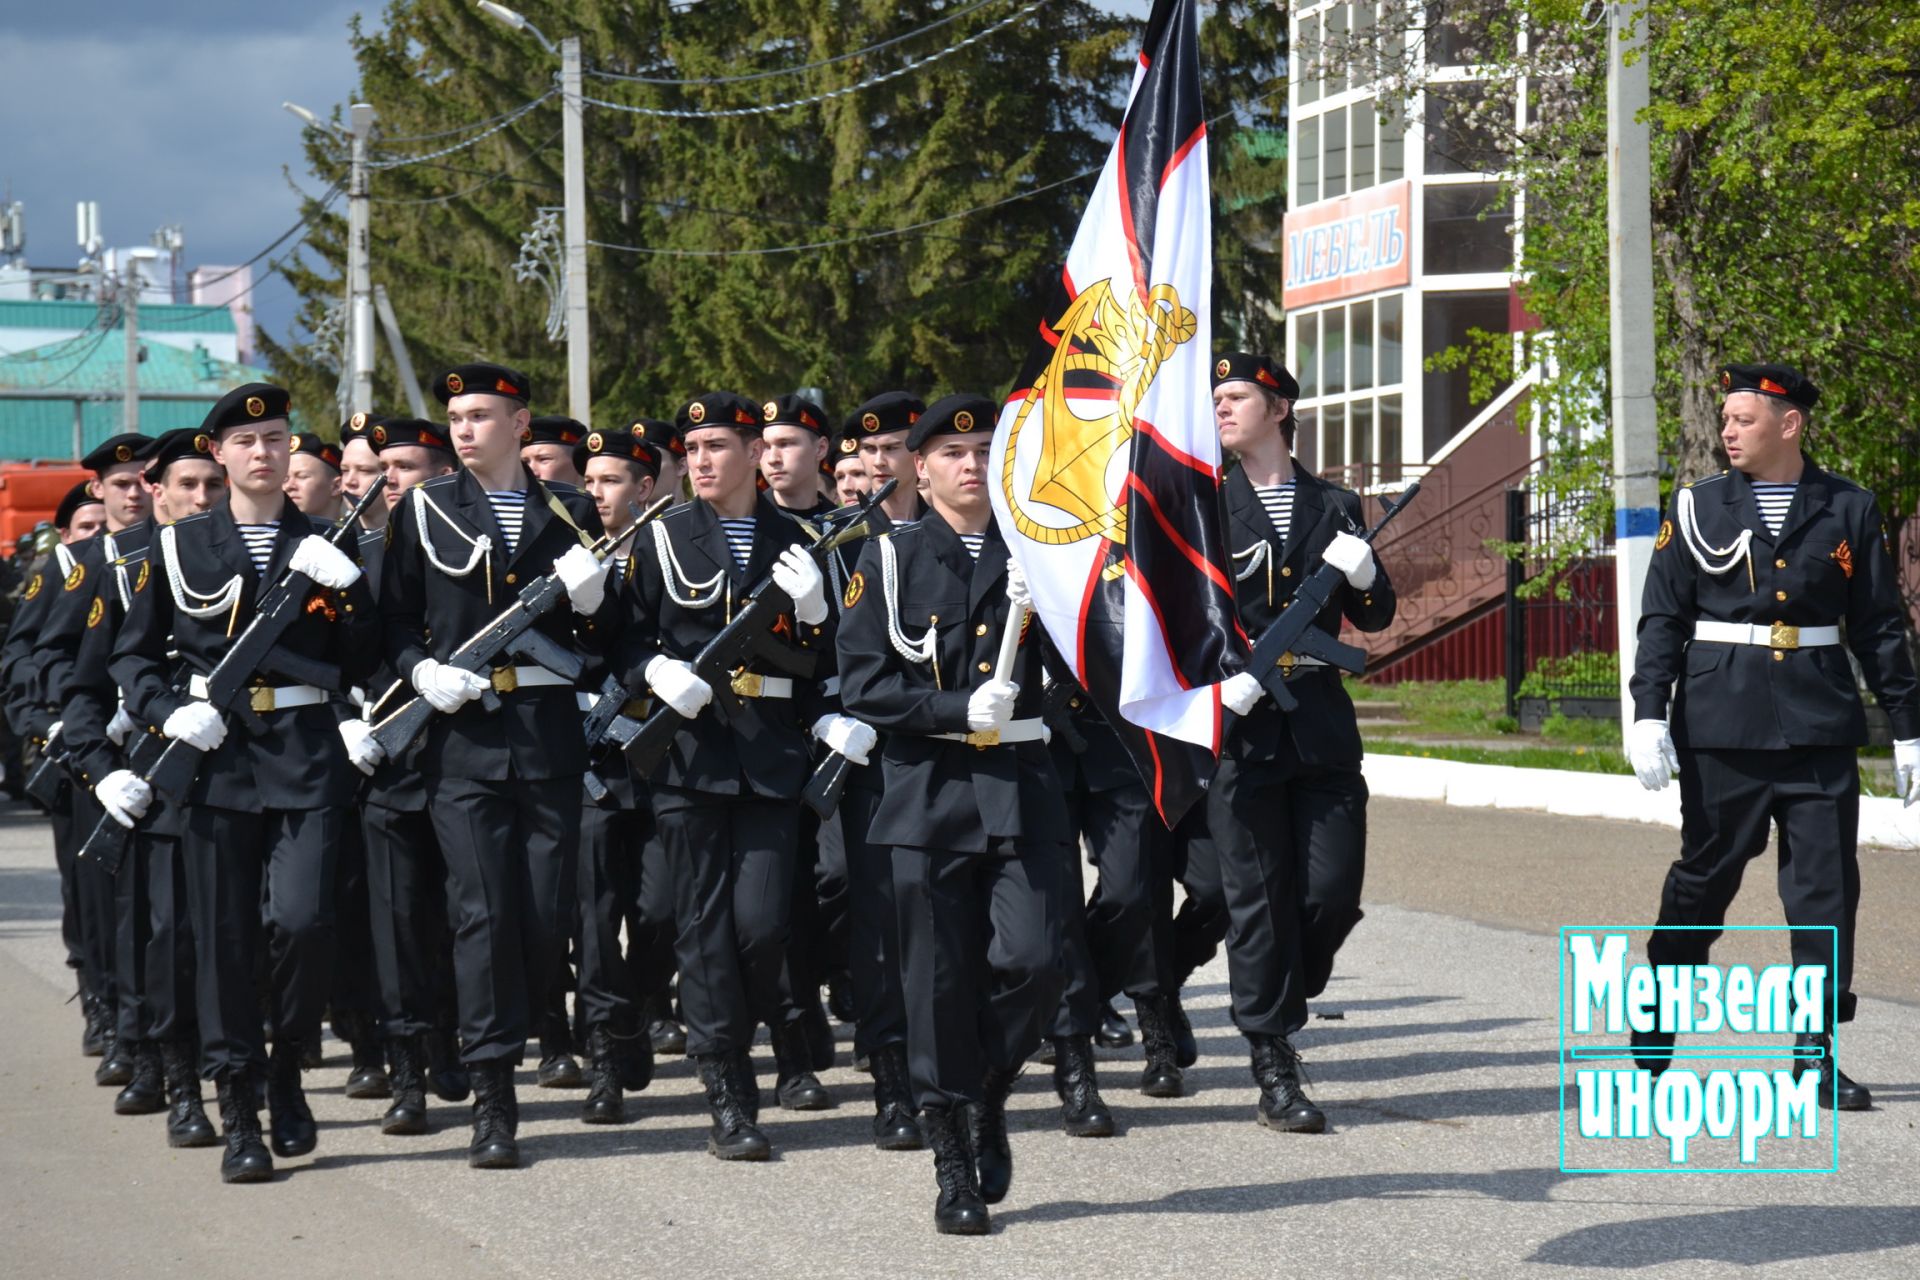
column 1440, row 1073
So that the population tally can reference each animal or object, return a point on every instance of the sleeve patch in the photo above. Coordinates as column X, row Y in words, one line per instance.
column 856, row 587
column 75, row 578
column 96, row 612
column 140, row 579
column 1666, row 535
column 33, row 587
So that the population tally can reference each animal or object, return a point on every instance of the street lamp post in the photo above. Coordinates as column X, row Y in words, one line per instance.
column 574, row 186
column 359, row 250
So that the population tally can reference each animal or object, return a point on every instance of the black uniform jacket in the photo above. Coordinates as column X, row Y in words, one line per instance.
column 87, row 694
column 684, row 589
column 428, row 613
column 395, row 784
column 941, row 794
column 21, row 655
column 296, row 760
column 1322, row 730
column 1829, row 564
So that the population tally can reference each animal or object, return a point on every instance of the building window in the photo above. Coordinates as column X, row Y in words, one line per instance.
column 1360, row 125
column 1390, row 437
column 1390, row 307
column 1307, row 53
column 1469, row 127
column 1333, row 157
column 1336, row 66
column 1468, row 229
column 1306, row 438
column 1361, row 318
column 1306, row 353
column 1448, row 318
column 1307, row 172
column 1333, row 352
column 1362, row 451
column 1333, row 436
column 1393, row 147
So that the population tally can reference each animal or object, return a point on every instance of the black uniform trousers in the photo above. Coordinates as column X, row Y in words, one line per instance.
column 93, row 897
column 411, row 943
column 65, row 847
column 1124, row 842
column 649, row 916
column 153, row 947
column 981, row 937
column 1292, row 840
column 234, row 861
column 1078, row 1012
column 873, row 926
column 832, row 894
column 1201, row 923
column 510, row 850
column 731, row 859
column 1728, row 801
column 609, row 868
column 806, row 940
column 355, row 994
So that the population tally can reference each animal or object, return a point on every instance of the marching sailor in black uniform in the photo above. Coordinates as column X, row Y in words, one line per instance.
column 268, row 807
column 1288, row 808
column 881, row 426
column 503, row 787
column 1740, row 686
column 971, row 806
column 314, row 479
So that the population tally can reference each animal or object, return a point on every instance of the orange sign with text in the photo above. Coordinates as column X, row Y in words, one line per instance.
column 1346, row 247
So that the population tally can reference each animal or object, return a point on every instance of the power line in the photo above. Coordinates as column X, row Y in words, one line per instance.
column 673, row 113
column 794, row 71
column 495, row 126
column 464, row 128
column 478, row 186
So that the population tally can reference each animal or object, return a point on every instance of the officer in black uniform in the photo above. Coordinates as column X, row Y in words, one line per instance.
column 153, row 943
column 503, row 787
column 971, row 806
column 1755, row 573
column 1288, row 808
column 314, row 481
column 268, row 808
column 726, row 797
column 411, row 946
column 664, row 436
column 881, row 426
column 552, row 449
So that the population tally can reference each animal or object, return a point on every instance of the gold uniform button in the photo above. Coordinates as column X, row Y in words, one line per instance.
column 1779, row 564
column 980, row 630
column 1286, row 571
column 511, row 579
column 986, row 666
column 1074, row 703
column 1779, row 595
column 932, row 618
column 1779, row 656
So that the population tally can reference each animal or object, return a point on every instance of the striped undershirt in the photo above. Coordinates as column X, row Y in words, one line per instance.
column 510, row 513
column 1277, row 499
column 1774, row 499
column 974, row 541
column 739, row 531
column 259, row 539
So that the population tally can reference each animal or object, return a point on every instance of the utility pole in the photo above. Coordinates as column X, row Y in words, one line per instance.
column 1636, row 445
column 130, row 317
column 579, row 377
column 359, row 271
column 402, row 362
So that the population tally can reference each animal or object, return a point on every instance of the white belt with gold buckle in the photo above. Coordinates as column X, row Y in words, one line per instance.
column 1778, row 636
column 1012, row 731
column 269, row 697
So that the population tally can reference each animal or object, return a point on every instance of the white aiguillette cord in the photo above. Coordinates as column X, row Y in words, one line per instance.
column 1741, row 548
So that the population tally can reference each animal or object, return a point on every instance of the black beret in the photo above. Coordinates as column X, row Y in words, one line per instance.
column 961, row 414
column 124, row 447
column 393, row 433
column 1775, row 380
column 308, row 443
column 182, row 442
column 247, row 405
column 554, row 429
column 1241, row 366
column 719, row 409
column 358, row 427
column 795, row 411
column 482, row 379
column 77, row 497
column 887, row 412
column 660, row 433
column 617, row 444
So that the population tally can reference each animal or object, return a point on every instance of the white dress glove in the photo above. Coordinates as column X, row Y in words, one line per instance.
column 796, row 574
column 198, row 725
column 674, row 683
column 1353, row 557
column 325, row 563
column 1650, row 752
column 848, row 736
column 120, row 726
column 585, row 578
column 125, row 796
column 53, row 730
column 1018, row 592
column 448, row 688
column 1906, row 770
column 1241, row 693
column 362, row 748
column 991, row 705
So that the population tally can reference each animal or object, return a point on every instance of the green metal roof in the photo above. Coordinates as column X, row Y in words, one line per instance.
column 159, row 317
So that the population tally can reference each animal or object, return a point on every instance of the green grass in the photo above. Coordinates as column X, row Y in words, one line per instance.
column 1443, row 708
column 1580, row 731
column 1576, row 759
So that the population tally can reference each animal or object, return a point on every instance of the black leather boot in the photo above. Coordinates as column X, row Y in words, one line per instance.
column 960, row 1210
column 1652, row 1051
column 558, row 1067
column 367, row 1077
column 668, row 1037
column 1114, row 1032
column 987, row 1127
column 894, row 1128
column 146, row 1092
column 93, row 1022
column 1186, row 1049
column 1083, row 1112
column 634, row 1054
column 1835, row 1084
column 795, row 1085
column 407, row 1084
column 496, row 1117
column 187, row 1123
column 606, row 1100
column 840, row 996
column 746, row 1081
column 292, row 1130
column 734, row 1135
column 1161, row 1077
column 246, row 1159
column 116, row 1063
column 1284, row 1104
column 446, row 1074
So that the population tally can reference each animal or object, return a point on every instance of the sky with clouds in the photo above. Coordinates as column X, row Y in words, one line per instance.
column 168, row 111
